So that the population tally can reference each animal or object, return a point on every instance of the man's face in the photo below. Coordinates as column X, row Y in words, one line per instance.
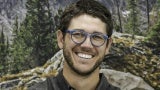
column 83, row 58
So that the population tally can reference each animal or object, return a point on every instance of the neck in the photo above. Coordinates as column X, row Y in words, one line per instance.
column 79, row 82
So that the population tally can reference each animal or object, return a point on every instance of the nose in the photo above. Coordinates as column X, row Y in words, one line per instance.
column 87, row 43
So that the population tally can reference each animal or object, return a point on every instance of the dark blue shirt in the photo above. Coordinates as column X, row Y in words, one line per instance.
column 59, row 83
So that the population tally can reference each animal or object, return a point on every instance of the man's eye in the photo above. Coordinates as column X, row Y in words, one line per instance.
column 97, row 37
column 78, row 35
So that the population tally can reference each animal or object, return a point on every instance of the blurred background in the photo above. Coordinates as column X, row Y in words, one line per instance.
column 28, row 40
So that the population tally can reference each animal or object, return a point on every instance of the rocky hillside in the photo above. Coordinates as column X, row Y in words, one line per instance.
column 131, row 65
column 10, row 10
column 134, row 56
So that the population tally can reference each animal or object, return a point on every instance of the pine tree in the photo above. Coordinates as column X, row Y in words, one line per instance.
column 42, row 30
column 19, row 51
column 119, row 27
column 4, row 50
column 153, row 39
column 132, row 25
column 154, row 35
column 34, row 41
column 154, row 14
column 148, row 16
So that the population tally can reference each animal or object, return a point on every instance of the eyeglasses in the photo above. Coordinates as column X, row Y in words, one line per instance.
column 79, row 36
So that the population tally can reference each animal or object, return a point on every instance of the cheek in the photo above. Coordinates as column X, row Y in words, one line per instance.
column 102, row 50
column 68, row 43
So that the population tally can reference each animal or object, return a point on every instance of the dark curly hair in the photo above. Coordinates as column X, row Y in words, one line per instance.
column 89, row 7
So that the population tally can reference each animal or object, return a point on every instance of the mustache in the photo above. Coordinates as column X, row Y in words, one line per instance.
column 87, row 50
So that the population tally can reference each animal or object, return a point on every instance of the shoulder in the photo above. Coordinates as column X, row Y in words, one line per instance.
column 105, row 85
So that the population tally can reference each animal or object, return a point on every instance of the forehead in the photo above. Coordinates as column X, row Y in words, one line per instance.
column 87, row 23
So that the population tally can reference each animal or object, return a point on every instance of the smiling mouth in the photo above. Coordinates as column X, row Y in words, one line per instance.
column 85, row 56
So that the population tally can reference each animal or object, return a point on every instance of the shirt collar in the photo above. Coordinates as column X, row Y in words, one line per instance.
column 62, row 81
column 102, row 83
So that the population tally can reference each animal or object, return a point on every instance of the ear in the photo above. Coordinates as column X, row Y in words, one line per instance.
column 109, row 43
column 60, row 39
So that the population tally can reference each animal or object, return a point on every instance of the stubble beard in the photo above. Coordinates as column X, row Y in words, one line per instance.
column 68, row 59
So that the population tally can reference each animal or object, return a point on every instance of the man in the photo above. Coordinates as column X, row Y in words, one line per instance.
column 85, row 36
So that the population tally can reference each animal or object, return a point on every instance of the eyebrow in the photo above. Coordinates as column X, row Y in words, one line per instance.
column 88, row 32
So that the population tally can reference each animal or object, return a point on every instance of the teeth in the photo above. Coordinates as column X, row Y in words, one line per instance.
column 84, row 55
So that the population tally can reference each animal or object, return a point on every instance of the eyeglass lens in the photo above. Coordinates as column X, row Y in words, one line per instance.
column 97, row 39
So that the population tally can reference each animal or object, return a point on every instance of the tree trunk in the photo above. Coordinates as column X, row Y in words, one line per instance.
column 119, row 16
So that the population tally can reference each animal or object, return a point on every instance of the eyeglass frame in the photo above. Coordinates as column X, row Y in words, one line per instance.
column 86, row 35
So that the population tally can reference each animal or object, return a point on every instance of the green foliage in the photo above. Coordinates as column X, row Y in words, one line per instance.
column 155, row 13
column 41, row 27
column 19, row 51
column 154, row 34
column 34, row 41
column 158, row 8
column 153, row 39
column 132, row 25
column 4, row 51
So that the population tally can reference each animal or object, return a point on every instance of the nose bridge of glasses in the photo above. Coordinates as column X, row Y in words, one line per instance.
column 87, row 42
column 88, row 35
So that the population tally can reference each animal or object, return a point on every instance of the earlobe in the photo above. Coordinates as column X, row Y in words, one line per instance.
column 109, row 43
column 60, row 38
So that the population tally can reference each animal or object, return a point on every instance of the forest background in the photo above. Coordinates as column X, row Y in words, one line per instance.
column 32, row 40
